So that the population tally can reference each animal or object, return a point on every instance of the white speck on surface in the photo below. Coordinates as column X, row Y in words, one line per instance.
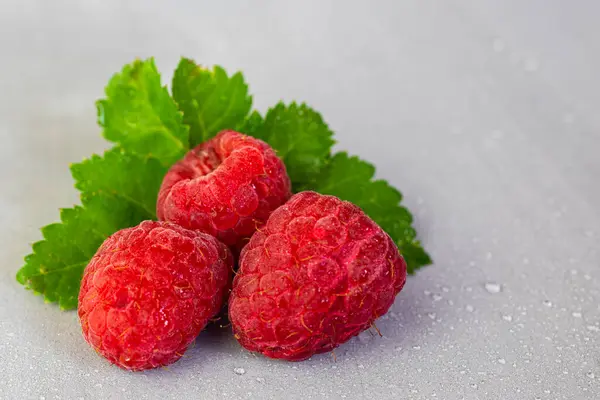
column 547, row 303
column 593, row 328
column 469, row 308
column 436, row 297
column 493, row 287
column 501, row 361
column 590, row 375
column 417, row 347
column 365, row 337
column 260, row 380
column 558, row 213
column 507, row 317
column 531, row 65
column 239, row 371
column 496, row 134
column 576, row 314
column 568, row 118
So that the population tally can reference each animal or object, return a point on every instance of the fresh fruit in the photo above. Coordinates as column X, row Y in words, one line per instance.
column 227, row 187
column 318, row 273
column 152, row 129
column 149, row 291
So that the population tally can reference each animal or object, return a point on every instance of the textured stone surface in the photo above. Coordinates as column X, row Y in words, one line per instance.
column 484, row 113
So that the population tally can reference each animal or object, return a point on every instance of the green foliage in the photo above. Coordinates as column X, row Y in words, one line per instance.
column 140, row 115
column 210, row 100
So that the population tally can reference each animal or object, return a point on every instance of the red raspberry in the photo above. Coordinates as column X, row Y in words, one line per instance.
column 149, row 291
column 226, row 187
column 318, row 273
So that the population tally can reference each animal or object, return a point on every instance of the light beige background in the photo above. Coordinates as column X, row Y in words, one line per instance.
column 485, row 114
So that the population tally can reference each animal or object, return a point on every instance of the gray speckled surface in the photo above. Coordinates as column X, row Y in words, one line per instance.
column 485, row 114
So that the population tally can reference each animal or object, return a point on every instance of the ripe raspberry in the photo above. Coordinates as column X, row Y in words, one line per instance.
column 226, row 187
column 318, row 273
column 149, row 291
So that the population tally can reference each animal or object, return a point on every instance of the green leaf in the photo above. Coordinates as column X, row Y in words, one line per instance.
column 252, row 124
column 300, row 137
column 55, row 267
column 140, row 115
column 119, row 190
column 351, row 179
column 210, row 100
column 135, row 179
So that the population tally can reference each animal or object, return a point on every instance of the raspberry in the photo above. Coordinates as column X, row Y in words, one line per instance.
column 226, row 187
column 317, row 274
column 149, row 291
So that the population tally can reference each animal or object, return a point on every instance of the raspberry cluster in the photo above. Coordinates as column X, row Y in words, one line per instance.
column 313, row 270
